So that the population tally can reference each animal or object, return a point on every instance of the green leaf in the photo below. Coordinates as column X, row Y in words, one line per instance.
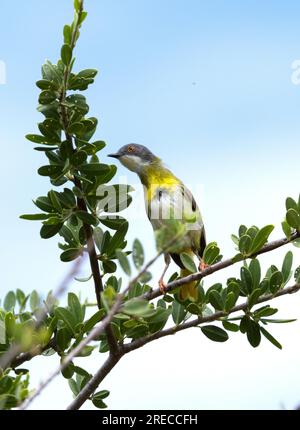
column 86, row 351
column 244, row 323
column 276, row 281
column 21, row 298
column 50, row 170
column 245, row 244
column 291, row 204
column 255, row 271
column 252, row 231
column 117, row 240
column 44, row 204
column 87, row 218
column 87, row 73
column 78, row 158
column 48, row 231
column 109, row 266
column 286, row 229
column 293, row 218
column 34, row 300
column 75, row 307
column 9, row 301
column 67, row 198
column 277, row 321
column 44, row 84
column 253, row 333
column 296, row 243
column 93, row 320
column 214, row 333
column 265, row 311
column 138, row 256
column 67, row 34
column 98, row 237
column 113, row 223
column 63, row 338
column 230, row 301
column 246, row 279
column 10, row 324
column 46, row 97
column 94, row 169
column 297, row 275
column 66, row 316
column 35, row 217
column 101, row 394
column 261, row 238
column 230, row 326
column 73, row 386
column 211, row 253
column 66, row 54
column 70, row 254
column 188, row 262
column 99, row 403
column 254, row 297
column 36, row 138
column 123, row 260
column 138, row 307
column 287, row 266
column 216, row 300
column 242, row 230
column 68, row 371
column 53, row 197
column 235, row 239
column 270, row 337
column 178, row 312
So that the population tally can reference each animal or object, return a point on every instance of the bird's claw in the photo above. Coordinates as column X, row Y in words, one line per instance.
column 202, row 266
column 162, row 286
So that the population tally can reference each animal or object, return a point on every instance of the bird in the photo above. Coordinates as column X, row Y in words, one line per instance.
column 166, row 195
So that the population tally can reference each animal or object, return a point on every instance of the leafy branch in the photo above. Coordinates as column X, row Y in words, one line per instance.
column 213, row 332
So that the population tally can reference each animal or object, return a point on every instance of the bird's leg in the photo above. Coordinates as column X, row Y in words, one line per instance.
column 202, row 266
column 161, row 282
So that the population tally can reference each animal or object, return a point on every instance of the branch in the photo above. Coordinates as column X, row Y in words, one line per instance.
column 112, row 359
column 219, row 266
column 12, row 354
column 27, row 356
column 81, row 204
column 200, row 320
column 91, row 336
column 125, row 349
column 94, row 382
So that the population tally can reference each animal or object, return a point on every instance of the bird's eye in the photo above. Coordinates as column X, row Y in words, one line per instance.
column 130, row 148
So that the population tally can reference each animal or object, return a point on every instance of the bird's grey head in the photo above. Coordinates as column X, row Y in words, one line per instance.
column 135, row 157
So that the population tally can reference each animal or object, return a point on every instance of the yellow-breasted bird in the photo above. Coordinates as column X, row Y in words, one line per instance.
column 166, row 197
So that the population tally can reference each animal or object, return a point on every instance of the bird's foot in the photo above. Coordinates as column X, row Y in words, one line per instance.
column 162, row 286
column 202, row 266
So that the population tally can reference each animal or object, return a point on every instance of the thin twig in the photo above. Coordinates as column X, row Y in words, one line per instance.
column 218, row 266
column 200, row 320
column 95, row 332
column 11, row 355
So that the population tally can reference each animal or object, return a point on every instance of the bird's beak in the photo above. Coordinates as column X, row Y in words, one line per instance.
column 114, row 155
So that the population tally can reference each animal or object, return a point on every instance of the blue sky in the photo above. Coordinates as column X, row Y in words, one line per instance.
column 207, row 86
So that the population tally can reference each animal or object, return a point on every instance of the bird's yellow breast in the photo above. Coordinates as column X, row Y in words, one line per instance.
column 155, row 178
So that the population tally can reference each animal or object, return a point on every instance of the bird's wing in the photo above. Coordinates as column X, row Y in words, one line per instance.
column 193, row 220
column 177, row 203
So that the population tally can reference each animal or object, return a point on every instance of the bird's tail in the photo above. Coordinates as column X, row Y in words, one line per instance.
column 188, row 291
